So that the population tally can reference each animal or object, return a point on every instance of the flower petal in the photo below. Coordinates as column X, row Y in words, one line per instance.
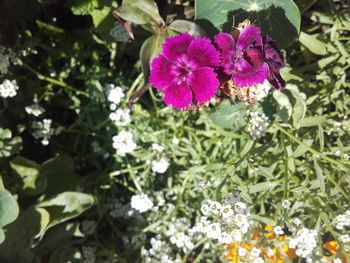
column 272, row 55
column 204, row 83
column 176, row 46
column 224, row 41
column 160, row 75
column 250, row 35
column 178, row 95
column 203, row 53
column 246, row 75
column 277, row 81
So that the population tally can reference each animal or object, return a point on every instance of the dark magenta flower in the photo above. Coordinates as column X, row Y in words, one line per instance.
column 184, row 70
column 249, row 60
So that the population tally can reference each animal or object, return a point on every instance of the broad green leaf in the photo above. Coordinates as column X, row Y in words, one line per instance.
column 280, row 19
column 284, row 107
column 320, row 176
column 82, row 7
column 264, row 220
column 313, row 44
column 183, row 26
column 229, row 116
column 66, row 205
column 33, row 180
column 259, row 187
column 312, row 121
column 150, row 48
column 8, row 208
column 100, row 14
column 299, row 109
column 140, row 12
column 300, row 150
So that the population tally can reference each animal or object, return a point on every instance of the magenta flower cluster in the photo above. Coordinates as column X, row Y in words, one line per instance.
column 188, row 68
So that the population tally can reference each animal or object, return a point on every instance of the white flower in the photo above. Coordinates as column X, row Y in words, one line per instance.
column 343, row 220
column 344, row 238
column 258, row 260
column 124, row 143
column 278, row 230
column 115, row 94
column 337, row 260
column 158, row 148
column 236, row 235
column 304, row 242
column 120, row 117
column 225, row 238
column 175, row 141
column 205, row 209
column 286, row 203
column 42, row 130
column 255, row 252
column 259, row 125
column 226, row 211
column 260, row 91
column 215, row 207
column 240, row 220
column 141, row 203
column 270, row 252
column 297, row 221
column 232, row 198
column 8, row 89
column 242, row 251
column 160, row 166
column 35, row 110
column 213, row 230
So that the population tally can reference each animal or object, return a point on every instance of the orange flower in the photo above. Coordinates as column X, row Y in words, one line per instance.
column 331, row 246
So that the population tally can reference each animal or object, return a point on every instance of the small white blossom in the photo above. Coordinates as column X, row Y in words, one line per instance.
column 240, row 207
column 343, row 220
column 259, row 125
column 121, row 117
column 205, row 209
column 160, row 166
column 345, row 238
column 278, row 230
column 237, row 235
column 115, row 94
column 337, row 260
column 286, row 204
column 213, row 230
column 270, row 252
column 42, row 130
column 304, row 242
column 35, row 110
column 226, row 211
column 297, row 221
column 260, row 91
column 258, row 260
column 215, row 207
column 175, row 141
column 158, row 148
column 124, row 143
column 225, row 238
column 8, row 89
column 242, row 251
column 141, row 203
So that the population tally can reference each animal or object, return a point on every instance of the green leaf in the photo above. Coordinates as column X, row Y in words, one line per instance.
column 265, row 220
column 150, row 48
column 262, row 187
column 312, row 121
column 49, row 27
column 299, row 109
column 313, row 44
column 284, row 107
column 66, row 205
column 100, row 14
column 140, row 12
column 229, row 116
column 34, row 182
column 82, row 7
column 320, row 176
column 280, row 19
column 8, row 209
column 183, row 26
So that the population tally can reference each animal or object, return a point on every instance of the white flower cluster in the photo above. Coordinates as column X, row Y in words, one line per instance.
column 89, row 254
column 160, row 166
column 8, row 89
column 342, row 221
column 259, row 124
column 120, row 117
column 124, row 143
column 114, row 96
column 344, row 238
column 43, row 130
column 141, row 203
column 304, row 242
column 160, row 252
column 260, row 91
column 229, row 221
column 157, row 148
column 183, row 236
column 35, row 110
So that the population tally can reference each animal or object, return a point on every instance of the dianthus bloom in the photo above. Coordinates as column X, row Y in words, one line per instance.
column 184, row 70
column 250, row 59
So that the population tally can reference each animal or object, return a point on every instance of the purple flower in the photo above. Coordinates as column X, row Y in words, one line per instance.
column 184, row 70
column 250, row 60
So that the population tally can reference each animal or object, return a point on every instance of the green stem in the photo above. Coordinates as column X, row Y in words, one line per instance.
column 285, row 181
column 198, row 244
column 54, row 81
